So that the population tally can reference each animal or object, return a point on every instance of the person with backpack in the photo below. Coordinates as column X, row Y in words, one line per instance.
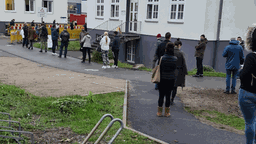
column 247, row 92
column 25, row 39
column 86, row 46
column 54, row 34
column 181, row 71
column 105, row 41
column 115, row 49
column 43, row 37
column 31, row 36
column 64, row 42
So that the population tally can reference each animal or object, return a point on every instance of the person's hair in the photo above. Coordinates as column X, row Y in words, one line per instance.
column 86, row 33
column 250, row 42
column 170, row 48
column 203, row 35
column 65, row 28
column 106, row 34
column 167, row 35
column 178, row 42
column 115, row 32
column 239, row 37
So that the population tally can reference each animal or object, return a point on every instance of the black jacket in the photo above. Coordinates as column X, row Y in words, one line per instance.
column 32, row 24
column 242, row 44
column 248, row 83
column 12, row 23
column 85, row 27
column 62, row 34
column 71, row 26
column 168, row 67
column 44, row 32
column 160, row 51
column 116, row 43
column 25, row 29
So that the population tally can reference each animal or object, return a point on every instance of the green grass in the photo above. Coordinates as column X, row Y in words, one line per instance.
column 73, row 45
column 230, row 120
column 79, row 113
column 209, row 74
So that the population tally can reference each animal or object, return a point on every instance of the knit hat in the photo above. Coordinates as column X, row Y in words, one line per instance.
column 158, row 36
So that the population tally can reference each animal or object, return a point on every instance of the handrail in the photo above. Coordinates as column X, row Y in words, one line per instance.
column 98, row 26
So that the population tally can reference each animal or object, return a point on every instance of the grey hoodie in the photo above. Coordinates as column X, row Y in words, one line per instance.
column 87, row 41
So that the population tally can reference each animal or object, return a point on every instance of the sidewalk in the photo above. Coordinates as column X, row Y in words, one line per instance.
column 143, row 100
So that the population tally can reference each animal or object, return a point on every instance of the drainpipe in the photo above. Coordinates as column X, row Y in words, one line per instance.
column 127, row 16
column 217, row 43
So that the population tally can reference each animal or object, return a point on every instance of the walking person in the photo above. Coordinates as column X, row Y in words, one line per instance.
column 115, row 49
column 247, row 92
column 234, row 55
column 65, row 36
column 199, row 54
column 159, row 41
column 167, row 79
column 105, row 41
column 31, row 36
column 43, row 37
column 54, row 35
column 86, row 47
column 81, row 36
column 181, row 71
column 25, row 39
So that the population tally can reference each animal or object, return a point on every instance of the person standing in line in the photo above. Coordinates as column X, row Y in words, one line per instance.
column 181, row 71
column 159, row 41
column 33, row 23
column 58, row 31
column 72, row 25
column 53, row 23
column 105, row 41
column 54, row 35
column 234, row 55
column 167, row 79
column 241, row 42
column 85, row 27
column 247, row 92
column 43, row 37
column 86, row 47
column 199, row 54
column 25, row 40
column 115, row 49
column 23, row 36
column 81, row 36
column 31, row 38
column 65, row 36
column 12, row 24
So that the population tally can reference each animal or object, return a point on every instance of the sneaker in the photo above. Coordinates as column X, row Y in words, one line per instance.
column 82, row 61
column 104, row 67
column 233, row 92
column 116, row 66
column 196, row 75
column 108, row 66
column 31, row 48
column 53, row 54
column 113, row 66
column 40, row 51
column 226, row 92
column 201, row 75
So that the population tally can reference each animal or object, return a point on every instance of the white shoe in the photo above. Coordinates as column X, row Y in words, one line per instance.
column 104, row 67
column 108, row 66
column 113, row 66
column 116, row 66
column 53, row 54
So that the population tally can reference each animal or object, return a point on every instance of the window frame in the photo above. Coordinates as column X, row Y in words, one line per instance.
column 48, row 6
column 100, row 4
column 34, row 6
column 153, row 3
column 177, row 3
column 115, row 4
column 132, row 46
column 10, row 11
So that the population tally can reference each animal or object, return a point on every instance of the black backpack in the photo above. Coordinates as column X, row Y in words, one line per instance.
column 44, row 32
column 65, row 36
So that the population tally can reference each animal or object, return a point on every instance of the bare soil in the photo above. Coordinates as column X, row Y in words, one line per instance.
column 211, row 99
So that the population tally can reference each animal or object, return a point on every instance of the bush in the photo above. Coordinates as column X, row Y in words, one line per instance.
column 208, row 68
column 97, row 56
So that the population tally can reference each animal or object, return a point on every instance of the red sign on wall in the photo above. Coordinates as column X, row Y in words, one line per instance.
column 80, row 18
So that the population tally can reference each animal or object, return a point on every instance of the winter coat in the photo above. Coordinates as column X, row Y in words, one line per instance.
column 31, row 33
column 22, row 33
column 159, row 41
column 104, row 44
column 181, row 71
column 234, row 55
column 87, row 41
column 44, row 30
column 200, row 48
column 25, row 29
column 54, row 34
column 160, row 51
column 241, row 44
column 61, row 36
column 168, row 67
column 32, row 24
column 116, row 43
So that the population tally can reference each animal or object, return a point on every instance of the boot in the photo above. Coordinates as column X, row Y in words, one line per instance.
column 167, row 112
column 159, row 111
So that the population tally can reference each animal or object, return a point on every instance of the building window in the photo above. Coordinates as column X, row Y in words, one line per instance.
column 115, row 8
column 49, row 5
column 29, row 5
column 10, row 5
column 100, row 8
column 72, row 8
column 177, row 10
column 131, row 52
column 152, row 9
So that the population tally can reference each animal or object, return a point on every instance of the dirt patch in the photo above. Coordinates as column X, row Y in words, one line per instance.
column 211, row 99
column 42, row 80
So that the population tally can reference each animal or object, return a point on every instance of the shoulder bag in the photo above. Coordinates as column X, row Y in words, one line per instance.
column 156, row 73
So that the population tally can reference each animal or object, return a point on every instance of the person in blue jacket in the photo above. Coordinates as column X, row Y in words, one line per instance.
column 55, row 36
column 234, row 57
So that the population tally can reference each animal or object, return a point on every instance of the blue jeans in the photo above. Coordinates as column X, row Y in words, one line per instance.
column 156, row 86
column 66, row 48
column 247, row 103
column 234, row 73
column 25, row 42
column 54, row 44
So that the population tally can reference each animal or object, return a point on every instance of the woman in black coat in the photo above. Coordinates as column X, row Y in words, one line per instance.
column 167, row 79
column 181, row 70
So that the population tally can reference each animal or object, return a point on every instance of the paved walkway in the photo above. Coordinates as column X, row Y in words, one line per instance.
column 143, row 100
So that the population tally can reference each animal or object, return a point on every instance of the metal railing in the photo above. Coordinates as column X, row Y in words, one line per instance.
column 106, row 129
column 98, row 26
column 14, row 131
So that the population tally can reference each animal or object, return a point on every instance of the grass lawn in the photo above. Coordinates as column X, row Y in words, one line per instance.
column 230, row 120
column 79, row 113
column 208, row 73
column 73, row 45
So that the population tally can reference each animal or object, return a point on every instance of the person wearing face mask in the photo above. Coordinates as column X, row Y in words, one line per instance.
column 199, row 54
column 181, row 71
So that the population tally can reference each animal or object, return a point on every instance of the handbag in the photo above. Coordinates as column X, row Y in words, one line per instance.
column 156, row 73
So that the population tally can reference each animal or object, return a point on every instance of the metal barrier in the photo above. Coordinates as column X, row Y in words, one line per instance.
column 106, row 129
column 14, row 131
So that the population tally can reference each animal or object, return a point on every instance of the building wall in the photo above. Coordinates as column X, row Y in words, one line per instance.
column 84, row 6
column 21, row 16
